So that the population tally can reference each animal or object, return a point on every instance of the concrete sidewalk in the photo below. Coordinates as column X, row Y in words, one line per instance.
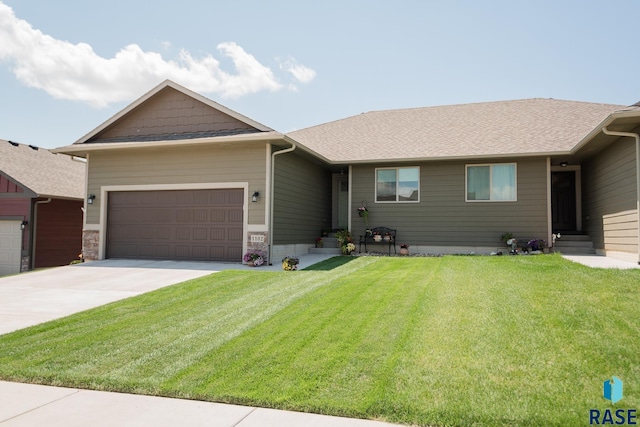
column 600, row 261
column 27, row 405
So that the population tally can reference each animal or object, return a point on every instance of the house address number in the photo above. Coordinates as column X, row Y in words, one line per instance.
column 257, row 238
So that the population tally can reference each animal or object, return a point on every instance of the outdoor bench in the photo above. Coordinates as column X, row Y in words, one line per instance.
column 386, row 236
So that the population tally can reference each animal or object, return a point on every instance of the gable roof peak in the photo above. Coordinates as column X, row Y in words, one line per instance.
column 179, row 88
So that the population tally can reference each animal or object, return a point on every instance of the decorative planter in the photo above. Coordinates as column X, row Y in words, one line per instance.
column 387, row 238
column 250, row 264
column 319, row 244
column 404, row 251
column 377, row 238
column 290, row 263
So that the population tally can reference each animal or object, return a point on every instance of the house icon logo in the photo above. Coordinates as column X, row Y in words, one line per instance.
column 612, row 389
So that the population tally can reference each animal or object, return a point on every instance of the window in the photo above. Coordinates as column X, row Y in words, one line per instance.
column 495, row 182
column 398, row 185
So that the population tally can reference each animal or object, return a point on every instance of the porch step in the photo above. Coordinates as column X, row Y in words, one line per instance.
column 325, row 251
column 330, row 246
column 574, row 244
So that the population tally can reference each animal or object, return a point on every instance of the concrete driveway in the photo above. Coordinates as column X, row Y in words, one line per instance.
column 30, row 298
column 39, row 296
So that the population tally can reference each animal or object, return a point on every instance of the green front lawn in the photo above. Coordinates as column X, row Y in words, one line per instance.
column 427, row 341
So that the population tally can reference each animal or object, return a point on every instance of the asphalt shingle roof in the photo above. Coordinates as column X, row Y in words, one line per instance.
column 519, row 127
column 41, row 171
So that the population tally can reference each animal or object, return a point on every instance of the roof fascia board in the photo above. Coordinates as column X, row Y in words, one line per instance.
column 454, row 158
column 77, row 149
column 184, row 90
column 307, row 149
column 606, row 122
column 25, row 190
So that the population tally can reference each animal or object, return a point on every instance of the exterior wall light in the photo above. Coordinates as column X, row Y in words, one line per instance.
column 254, row 197
column 90, row 199
column 564, row 164
column 23, row 225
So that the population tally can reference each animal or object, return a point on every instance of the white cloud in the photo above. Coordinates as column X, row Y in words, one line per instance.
column 298, row 71
column 74, row 71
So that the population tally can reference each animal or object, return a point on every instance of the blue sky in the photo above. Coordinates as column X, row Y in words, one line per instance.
column 67, row 66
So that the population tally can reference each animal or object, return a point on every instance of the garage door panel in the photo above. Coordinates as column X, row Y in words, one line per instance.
column 235, row 252
column 219, row 198
column 191, row 224
column 200, row 215
column 183, row 233
column 236, row 216
column 236, row 198
column 10, row 247
column 218, row 215
column 200, row 233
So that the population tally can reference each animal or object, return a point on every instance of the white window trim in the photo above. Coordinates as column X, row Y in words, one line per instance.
column 466, row 182
column 375, row 181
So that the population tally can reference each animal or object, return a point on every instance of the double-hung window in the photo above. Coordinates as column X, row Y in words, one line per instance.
column 398, row 184
column 494, row 182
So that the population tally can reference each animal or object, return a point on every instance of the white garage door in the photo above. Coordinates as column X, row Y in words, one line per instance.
column 10, row 246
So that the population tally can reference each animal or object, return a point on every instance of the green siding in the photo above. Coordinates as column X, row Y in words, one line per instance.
column 443, row 218
column 609, row 198
column 302, row 200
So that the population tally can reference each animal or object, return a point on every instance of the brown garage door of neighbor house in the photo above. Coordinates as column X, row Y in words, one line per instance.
column 199, row 225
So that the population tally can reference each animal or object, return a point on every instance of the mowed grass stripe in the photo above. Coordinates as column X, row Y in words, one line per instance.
column 141, row 340
column 424, row 341
column 338, row 344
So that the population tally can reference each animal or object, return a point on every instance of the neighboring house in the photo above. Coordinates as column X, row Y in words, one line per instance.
column 41, row 197
column 174, row 175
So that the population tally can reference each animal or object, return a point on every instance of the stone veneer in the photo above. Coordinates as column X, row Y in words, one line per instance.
column 258, row 243
column 24, row 265
column 90, row 244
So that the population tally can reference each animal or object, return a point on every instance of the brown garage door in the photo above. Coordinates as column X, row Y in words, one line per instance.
column 201, row 225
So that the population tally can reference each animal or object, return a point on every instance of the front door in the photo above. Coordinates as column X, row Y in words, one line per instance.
column 343, row 203
column 563, row 201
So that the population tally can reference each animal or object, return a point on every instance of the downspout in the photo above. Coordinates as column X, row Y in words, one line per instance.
column 35, row 228
column 637, row 138
column 272, row 189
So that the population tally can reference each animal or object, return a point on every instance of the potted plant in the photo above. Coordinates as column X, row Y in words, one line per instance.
column 538, row 245
column 506, row 236
column 363, row 212
column 319, row 242
column 377, row 237
column 348, row 248
column 344, row 238
column 290, row 263
column 254, row 258
column 404, row 249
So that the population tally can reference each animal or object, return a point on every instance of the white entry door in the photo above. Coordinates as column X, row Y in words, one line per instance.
column 10, row 247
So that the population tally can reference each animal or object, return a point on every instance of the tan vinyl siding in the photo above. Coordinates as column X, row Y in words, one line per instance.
column 187, row 165
column 621, row 231
column 302, row 200
column 609, row 198
column 443, row 218
column 170, row 112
